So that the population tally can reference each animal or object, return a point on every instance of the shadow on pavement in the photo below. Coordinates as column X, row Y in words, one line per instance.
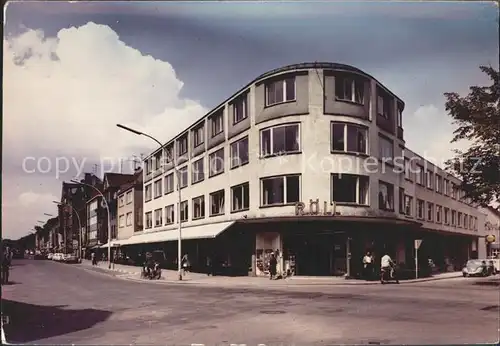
column 29, row 322
column 488, row 283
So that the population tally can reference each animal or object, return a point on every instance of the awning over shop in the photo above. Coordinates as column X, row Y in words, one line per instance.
column 113, row 244
column 193, row 232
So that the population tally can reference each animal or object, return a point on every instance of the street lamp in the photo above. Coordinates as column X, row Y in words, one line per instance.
column 109, row 216
column 164, row 153
column 79, row 224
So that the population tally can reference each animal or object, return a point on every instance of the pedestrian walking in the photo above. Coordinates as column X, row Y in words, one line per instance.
column 186, row 265
column 273, row 263
column 93, row 257
column 368, row 266
column 210, row 266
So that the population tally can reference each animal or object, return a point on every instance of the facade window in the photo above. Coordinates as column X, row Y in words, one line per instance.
column 384, row 104
column 466, row 221
column 280, row 190
column 128, row 220
column 459, row 219
column 453, row 217
column 157, row 186
column 385, row 149
column 169, row 214
column 169, row 150
column 408, row 169
column 198, row 136
column 169, row 183
column 157, row 160
column 240, row 109
column 184, row 211
column 408, row 201
column 439, row 187
column 183, row 175
column 239, row 152
column 453, row 188
column 471, row 222
column 439, row 210
column 121, row 202
column 148, row 193
column 446, row 216
column 400, row 116
column 121, row 221
column 350, row 188
column 445, row 187
column 280, row 140
column 430, row 211
column 198, row 171
column 198, row 207
column 149, row 219
column 420, row 209
column 148, row 166
column 158, row 217
column 429, row 179
column 216, row 162
column 349, row 138
column 420, row 176
column 240, row 197
column 217, row 203
column 385, row 196
column 217, row 123
column 129, row 197
column 349, row 89
column 401, row 200
column 182, row 145
column 280, row 91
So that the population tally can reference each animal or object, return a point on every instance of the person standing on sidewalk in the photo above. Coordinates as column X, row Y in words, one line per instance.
column 94, row 258
column 186, row 265
column 210, row 266
column 273, row 262
column 368, row 266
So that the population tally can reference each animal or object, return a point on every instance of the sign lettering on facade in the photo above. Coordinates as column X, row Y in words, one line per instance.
column 314, row 208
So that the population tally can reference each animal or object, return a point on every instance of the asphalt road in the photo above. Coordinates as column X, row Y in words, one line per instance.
column 53, row 303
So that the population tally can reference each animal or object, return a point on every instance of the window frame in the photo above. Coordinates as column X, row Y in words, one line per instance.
column 284, row 177
column 183, row 139
column 202, row 208
column 282, row 80
column 390, row 195
column 198, row 132
column 242, row 99
column 408, row 205
column 148, row 225
column 353, row 81
column 382, row 138
column 232, row 146
column 195, row 173
column 169, row 211
column 244, row 198
column 222, row 210
column 131, row 194
column 148, row 187
column 214, row 120
column 155, row 221
column 359, row 179
column 184, row 212
column 439, row 213
column 346, row 137
column 180, row 174
column 165, row 178
column 211, row 156
column 420, row 216
column 431, row 210
column 155, row 184
column 127, row 223
column 121, row 221
column 271, row 140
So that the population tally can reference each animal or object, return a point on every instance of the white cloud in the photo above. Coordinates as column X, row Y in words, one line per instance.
column 64, row 95
column 429, row 131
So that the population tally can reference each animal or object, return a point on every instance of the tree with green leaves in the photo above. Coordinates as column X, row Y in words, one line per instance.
column 478, row 119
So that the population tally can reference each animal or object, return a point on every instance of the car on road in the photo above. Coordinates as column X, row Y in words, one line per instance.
column 69, row 258
column 50, row 255
column 57, row 257
column 475, row 267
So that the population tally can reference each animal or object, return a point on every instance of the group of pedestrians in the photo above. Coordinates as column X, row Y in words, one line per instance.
column 386, row 263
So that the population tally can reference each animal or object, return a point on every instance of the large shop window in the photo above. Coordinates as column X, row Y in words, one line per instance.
column 217, row 203
column 280, row 91
column 158, row 217
column 198, row 207
column 184, row 211
column 350, row 188
column 239, row 152
column 149, row 219
column 385, row 196
column 240, row 197
column 281, row 139
column 280, row 190
column 349, row 138
column 348, row 88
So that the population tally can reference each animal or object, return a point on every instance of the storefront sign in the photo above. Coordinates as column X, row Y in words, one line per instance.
column 491, row 227
column 314, row 208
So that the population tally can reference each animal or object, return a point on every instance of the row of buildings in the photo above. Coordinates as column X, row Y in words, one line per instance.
column 309, row 161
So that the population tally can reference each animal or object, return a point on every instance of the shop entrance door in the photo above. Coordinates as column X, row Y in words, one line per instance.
column 313, row 255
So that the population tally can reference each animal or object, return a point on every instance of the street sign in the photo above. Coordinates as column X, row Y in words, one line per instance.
column 418, row 242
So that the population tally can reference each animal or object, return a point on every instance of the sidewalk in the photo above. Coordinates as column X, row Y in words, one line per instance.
column 171, row 276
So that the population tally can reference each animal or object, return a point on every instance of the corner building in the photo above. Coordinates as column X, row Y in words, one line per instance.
column 310, row 160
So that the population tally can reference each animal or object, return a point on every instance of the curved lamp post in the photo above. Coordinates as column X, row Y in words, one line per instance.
column 164, row 153
column 108, row 212
column 79, row 224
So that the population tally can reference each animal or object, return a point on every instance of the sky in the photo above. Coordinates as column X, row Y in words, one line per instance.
column 71, row 71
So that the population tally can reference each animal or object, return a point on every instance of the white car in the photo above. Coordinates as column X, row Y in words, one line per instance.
column 57, row 257
column 50, row 255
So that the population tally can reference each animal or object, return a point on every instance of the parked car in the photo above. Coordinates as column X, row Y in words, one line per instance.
column 50, row 255
column 476, row 267
column 69, row 258
column 57, row 257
